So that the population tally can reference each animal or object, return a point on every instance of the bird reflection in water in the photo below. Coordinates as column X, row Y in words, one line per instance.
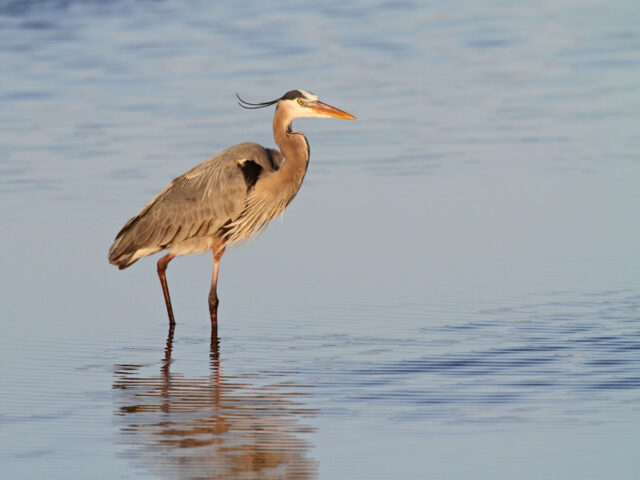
column 211, row 427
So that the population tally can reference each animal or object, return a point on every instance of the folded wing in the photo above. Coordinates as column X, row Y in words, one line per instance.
column 190, row 215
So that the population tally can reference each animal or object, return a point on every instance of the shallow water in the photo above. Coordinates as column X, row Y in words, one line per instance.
column 453, row 294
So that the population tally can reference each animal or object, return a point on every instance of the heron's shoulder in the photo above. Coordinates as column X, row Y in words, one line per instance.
column 269, row 159
column 237, row 153
column 240, row 151
column 228, row 167
column 248, row 147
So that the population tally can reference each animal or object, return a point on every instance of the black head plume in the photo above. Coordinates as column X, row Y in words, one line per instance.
column 253, row 106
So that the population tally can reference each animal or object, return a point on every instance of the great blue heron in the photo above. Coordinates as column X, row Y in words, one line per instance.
column 225, row 199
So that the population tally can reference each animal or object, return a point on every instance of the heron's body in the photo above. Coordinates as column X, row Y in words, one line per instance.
column 225, row 199
column 198, row 210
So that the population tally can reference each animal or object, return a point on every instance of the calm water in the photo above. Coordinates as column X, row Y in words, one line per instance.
column 454, row 294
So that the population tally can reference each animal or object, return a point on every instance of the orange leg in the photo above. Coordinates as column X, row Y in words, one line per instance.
column 213, row 294
column 162, row 267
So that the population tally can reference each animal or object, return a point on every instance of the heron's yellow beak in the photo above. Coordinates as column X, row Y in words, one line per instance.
column 327, row 110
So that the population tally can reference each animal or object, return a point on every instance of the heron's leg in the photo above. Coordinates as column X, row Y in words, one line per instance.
column 213, row 294
column 162, row 267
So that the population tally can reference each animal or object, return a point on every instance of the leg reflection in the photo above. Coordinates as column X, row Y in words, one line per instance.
column 214, row 350
column 214, row 426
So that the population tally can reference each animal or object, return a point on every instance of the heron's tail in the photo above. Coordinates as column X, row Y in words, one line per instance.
column 122, row 259
column 126, row 248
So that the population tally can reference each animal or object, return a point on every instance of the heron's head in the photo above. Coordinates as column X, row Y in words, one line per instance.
column 300, row 104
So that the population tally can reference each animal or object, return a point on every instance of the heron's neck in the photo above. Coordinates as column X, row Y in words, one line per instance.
column 294, row 148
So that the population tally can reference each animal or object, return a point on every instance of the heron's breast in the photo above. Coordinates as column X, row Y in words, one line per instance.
column 192, row 246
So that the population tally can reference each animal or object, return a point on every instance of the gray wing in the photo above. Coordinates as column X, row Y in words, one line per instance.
column 198, row 204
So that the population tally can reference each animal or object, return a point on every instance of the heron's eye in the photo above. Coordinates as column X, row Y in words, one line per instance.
column 300, row 101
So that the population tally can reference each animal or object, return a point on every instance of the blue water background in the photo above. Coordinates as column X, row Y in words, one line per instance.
column 455, row 292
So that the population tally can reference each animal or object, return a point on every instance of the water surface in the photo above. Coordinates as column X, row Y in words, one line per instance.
column 453, row 294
